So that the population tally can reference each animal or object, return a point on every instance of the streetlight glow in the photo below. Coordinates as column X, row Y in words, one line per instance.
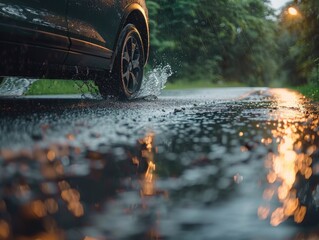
column 292, row 11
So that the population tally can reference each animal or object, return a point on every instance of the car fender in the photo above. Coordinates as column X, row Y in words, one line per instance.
column 127, row 11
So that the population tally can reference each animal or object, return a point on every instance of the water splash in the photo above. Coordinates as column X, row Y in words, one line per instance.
column 15, row 86
column 154, row 81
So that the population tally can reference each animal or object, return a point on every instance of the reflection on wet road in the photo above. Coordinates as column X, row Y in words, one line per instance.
column 205, row 169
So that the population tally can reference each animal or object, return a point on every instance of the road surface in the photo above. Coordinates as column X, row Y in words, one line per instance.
column 236, row 163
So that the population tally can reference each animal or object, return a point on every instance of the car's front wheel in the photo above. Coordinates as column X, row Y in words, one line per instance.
column 126, row 77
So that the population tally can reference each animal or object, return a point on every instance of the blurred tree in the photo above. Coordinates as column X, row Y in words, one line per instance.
column 309, row 39
column 221, row 40
column 299, row 42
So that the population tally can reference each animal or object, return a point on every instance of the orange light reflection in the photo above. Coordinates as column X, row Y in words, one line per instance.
column 289, row 161
column 4, row 229
column 148, row 182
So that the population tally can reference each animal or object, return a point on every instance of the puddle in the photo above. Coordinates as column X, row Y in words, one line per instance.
column 230, row 170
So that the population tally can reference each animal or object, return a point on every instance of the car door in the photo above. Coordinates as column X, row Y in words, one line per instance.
column 93, row 26
column 37, row 27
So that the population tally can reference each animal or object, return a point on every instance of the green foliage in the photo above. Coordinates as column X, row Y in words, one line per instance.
column 200, row 83
column 231, row 40
column 220, row 40
column 309, row 38
column 310, row 91
column 298, row 41
column 49, row 87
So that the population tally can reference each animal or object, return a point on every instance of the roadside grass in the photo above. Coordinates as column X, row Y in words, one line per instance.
column 310, row 91
column 49, row 87
column 186, row 84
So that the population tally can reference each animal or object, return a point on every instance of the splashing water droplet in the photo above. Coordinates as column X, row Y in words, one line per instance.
column 15, row 86
column 154, row 81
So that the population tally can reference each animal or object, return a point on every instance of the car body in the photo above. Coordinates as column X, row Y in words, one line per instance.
column 63, row 39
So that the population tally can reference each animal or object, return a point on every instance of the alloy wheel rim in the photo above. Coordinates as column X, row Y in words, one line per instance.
column 131, row 65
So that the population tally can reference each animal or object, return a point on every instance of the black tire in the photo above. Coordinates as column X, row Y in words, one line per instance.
column 126, row 77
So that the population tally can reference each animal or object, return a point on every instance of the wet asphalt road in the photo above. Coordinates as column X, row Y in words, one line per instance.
column 199, row 164
column 26, row 121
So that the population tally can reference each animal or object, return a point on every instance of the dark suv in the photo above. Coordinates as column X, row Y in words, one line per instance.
column 104, row 40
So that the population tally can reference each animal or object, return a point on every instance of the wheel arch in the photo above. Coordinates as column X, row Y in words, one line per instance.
column 136, row 15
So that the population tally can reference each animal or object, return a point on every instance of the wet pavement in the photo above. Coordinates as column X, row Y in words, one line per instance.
column 209, row 164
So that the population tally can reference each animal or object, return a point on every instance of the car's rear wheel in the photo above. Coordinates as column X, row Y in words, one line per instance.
column 126, row 77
